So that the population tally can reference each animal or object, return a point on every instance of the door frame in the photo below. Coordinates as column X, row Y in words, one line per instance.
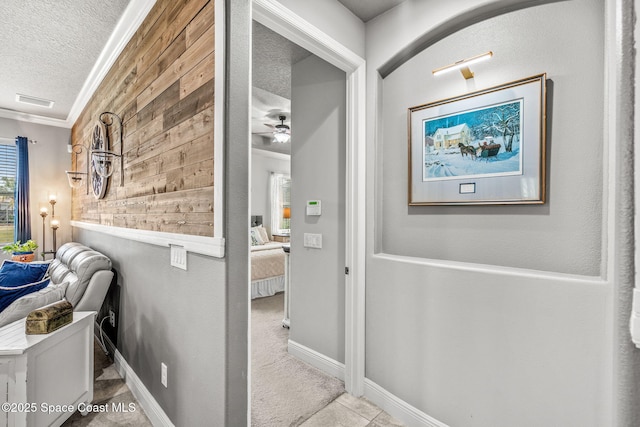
column 283, row 21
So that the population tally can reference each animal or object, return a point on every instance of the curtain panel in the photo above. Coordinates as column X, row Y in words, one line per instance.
column 22, row 228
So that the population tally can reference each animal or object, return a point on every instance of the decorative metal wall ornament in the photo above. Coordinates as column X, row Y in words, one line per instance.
column 75, row 177
column 102, row 158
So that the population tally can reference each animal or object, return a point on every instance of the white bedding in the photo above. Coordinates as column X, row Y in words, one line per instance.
column 267, row 269
column 266, row 246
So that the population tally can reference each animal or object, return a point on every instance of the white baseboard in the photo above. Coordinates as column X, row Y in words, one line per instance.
column 393, row 405
column 398, row 408
column 318, row 360
column 151, row 408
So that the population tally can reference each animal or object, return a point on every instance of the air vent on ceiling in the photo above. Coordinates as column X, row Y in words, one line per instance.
column 32, row 100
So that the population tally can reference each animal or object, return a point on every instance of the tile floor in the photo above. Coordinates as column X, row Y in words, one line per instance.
column 110, row 389
column 349, row 411
column 109, row 392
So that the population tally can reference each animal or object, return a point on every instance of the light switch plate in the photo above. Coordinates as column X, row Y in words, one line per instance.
column 163, row 374
column 313, row 240
column 179, row 257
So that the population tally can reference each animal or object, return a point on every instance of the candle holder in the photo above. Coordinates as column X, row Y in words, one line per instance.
column 54, row 223
column 43, row 214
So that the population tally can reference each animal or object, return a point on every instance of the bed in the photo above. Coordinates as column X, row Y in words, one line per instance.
column 267, row 262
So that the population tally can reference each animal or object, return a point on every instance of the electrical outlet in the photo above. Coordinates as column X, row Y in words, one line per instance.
column 163, row 374
column 112, row 318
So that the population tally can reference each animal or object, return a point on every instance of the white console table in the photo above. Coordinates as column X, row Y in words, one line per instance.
column 47, row 376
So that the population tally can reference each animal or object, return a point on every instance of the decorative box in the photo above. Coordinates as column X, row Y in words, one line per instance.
column 48, row 319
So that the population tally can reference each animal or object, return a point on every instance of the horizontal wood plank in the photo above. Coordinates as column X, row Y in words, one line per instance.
column 162, row 86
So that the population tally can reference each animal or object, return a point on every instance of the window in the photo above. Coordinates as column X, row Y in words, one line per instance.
column 280, row 203
column 8, row 162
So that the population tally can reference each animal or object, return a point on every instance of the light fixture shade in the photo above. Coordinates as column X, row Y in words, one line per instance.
column 76, row 179
column 286, row 213
column 281, row 132
column 103, row 162
column 281, row 137
column 463, row 63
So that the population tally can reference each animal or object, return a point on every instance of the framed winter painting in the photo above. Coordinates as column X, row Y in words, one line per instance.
column 485, row 147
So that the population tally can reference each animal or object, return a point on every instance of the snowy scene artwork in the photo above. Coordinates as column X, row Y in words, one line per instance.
column 486, row 147
column 482, row 142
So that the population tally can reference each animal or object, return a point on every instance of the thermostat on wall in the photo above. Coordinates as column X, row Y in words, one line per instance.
column 314, row 207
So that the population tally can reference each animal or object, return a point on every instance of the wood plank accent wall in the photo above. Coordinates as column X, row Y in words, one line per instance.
column 162, row 86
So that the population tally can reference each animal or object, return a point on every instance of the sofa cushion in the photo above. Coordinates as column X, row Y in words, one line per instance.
column 28, row 303
column 76, row 265
column 13, row 273
column 12, row 293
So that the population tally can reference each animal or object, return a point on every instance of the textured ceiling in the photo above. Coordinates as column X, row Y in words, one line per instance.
column 272, row 56
column 49, row 47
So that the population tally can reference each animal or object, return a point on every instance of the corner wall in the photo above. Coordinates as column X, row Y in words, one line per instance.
column 493, row 316
column 318, row 156
column 170, row 316
column 162, row 87
column 48, row 160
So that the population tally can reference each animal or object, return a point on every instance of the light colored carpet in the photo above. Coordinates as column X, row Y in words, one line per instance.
column 284, row 390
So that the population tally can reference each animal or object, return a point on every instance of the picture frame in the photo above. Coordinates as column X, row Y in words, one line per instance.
column 483, row 148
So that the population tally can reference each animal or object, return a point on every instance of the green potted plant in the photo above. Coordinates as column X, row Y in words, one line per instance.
column 23, row 252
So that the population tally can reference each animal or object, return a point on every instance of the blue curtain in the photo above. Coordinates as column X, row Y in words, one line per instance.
column 22, row 229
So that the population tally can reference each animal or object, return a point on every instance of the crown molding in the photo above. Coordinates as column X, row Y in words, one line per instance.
column 131, row 19
column 271, row 154
column 33, row 118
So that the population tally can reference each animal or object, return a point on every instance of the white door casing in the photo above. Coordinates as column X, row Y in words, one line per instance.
column 278, row 18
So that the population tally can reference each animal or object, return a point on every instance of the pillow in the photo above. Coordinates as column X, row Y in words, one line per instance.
column 13, row 273
column 263, row 234
column 256, row 239
column 10, row 294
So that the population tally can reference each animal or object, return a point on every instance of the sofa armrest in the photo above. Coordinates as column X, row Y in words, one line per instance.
column 96, row 291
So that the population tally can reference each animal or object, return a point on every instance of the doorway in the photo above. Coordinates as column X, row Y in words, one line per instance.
column 317, row 171
column 283, row 21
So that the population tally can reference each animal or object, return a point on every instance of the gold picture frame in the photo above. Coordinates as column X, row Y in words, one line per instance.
column 485, row 147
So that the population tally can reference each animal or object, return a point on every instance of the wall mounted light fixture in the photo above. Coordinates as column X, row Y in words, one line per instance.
column 76, row 177
column 102, row 158
column 463, row 65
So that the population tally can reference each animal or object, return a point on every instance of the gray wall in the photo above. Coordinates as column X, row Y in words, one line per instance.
column 196, row 321
column 172, row 316
column 318, row 155
column 557, row 239
column 236, row 201
column 509, row 324
column 48, row 160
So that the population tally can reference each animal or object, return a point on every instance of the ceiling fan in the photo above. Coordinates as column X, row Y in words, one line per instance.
column 281, row 133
